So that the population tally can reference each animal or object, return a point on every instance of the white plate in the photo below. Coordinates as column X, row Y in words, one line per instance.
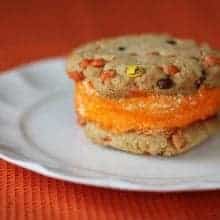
column 38, row 131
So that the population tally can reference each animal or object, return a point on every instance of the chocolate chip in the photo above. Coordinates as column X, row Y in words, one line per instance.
column 155, row 53
column 203, row 73
column 195, row 58
column 165, row 83
column 173, row 42
column 201, row 79
column 121, row 48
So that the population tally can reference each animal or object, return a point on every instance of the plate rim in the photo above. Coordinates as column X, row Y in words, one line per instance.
column 120, row 184
column 115, row 184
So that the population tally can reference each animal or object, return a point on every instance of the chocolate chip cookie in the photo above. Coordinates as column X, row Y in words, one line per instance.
column 124, row 66
column 147, row 94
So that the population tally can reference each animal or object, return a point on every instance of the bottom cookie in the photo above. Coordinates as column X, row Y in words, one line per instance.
column 164, row 143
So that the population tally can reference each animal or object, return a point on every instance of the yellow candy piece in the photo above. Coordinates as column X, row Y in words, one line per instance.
column 135, row 71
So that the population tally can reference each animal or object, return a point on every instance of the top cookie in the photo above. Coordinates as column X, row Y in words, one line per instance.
column 138, row 64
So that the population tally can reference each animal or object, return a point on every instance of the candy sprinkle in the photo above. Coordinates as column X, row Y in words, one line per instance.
column 134, row 71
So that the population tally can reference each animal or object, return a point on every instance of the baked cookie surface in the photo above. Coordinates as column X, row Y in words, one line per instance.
column 147, row 94
column 161, row 142
column 160, row 64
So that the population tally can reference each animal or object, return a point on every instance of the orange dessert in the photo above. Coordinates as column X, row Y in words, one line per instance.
column 145, row 112
column 147, row 94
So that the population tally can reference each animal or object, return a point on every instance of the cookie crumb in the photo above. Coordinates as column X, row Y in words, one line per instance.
column 178, row 139
column 106, row 138
column 154, row 53
column 133, row 54
column 81, row 121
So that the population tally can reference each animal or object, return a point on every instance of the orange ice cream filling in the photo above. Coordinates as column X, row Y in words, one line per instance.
column 145, row 112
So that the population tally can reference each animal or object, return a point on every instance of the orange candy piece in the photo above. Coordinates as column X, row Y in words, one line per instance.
column 146, row 112
column 76, row 76
column 98, row 62
column 85, row 63
column 105, row 75
column 211, row 60
column 92, row 62
column 171, row 69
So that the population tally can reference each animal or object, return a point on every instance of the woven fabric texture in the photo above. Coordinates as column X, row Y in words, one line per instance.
column 30, row 30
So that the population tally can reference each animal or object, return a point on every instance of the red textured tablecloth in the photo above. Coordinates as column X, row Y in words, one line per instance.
column 30, row 30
